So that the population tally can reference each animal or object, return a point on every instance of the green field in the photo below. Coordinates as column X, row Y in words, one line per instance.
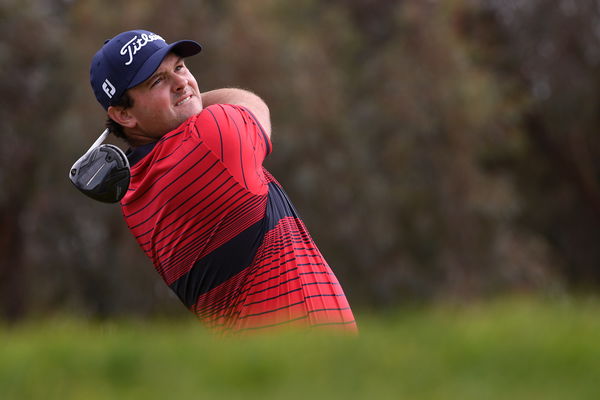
column 510, row 349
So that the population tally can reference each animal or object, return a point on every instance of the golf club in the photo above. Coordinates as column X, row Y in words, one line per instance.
column 102, row 173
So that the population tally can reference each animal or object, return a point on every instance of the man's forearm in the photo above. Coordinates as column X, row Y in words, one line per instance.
column 224, row 96
column 242, row 98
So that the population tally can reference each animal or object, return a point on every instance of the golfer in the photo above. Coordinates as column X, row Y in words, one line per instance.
column 218, row 227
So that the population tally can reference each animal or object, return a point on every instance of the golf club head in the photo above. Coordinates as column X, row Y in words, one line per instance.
column 102, row 173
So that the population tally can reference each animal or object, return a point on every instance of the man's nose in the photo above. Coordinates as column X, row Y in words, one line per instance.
column 179, row 83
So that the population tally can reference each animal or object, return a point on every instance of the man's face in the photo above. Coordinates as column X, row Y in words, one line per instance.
column 165, row 100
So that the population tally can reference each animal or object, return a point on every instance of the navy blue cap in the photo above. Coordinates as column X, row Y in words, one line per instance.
column 129, row 59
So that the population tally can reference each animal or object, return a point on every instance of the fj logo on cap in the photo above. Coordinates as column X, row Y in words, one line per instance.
column 134, row 45
column 108, row 88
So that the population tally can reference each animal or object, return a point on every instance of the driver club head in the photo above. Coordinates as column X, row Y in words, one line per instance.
column 102, row 173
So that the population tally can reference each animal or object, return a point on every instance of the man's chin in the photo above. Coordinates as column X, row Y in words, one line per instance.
column 190, row 109
column 184, row 116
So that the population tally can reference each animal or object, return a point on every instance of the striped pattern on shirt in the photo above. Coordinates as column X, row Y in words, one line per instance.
column 223, row 234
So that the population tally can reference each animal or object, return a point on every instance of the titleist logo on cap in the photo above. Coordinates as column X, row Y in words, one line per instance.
column 135, row 44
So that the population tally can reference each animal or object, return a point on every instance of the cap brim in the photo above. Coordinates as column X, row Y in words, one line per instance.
column 183, row 48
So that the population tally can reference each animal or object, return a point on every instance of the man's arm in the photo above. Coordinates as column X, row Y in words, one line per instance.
column 242, row 98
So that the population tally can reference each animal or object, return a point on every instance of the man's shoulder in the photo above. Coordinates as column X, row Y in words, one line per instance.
column 229, row 116
column 221, row 112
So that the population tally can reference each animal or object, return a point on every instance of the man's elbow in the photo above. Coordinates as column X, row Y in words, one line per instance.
column 265, row 118
column 261, row 111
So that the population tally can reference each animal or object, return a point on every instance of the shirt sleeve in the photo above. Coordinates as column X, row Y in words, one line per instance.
column 234, row 134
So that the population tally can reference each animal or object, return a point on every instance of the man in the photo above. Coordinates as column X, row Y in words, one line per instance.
column 218, row 227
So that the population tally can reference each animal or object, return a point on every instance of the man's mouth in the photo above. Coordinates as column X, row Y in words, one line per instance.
column 184, row 100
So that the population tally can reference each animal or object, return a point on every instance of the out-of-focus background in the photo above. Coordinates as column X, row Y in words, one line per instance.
column 437, row 150
column 444, row 155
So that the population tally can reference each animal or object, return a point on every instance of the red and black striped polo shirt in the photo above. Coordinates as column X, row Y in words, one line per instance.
column 223, row 234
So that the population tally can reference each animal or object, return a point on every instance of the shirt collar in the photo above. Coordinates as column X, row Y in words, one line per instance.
column 135, row 154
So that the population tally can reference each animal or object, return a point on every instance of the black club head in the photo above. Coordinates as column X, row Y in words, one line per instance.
column 102, row 173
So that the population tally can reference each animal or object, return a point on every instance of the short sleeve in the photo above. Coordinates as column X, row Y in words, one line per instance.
column 234, row 134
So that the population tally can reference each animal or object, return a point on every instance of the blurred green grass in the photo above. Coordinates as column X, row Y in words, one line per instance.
column 505, row 349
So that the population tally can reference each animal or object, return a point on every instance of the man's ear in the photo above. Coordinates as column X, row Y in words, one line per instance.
column 122, row 116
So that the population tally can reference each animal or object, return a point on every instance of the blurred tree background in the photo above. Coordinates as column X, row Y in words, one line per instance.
column 437, row 150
